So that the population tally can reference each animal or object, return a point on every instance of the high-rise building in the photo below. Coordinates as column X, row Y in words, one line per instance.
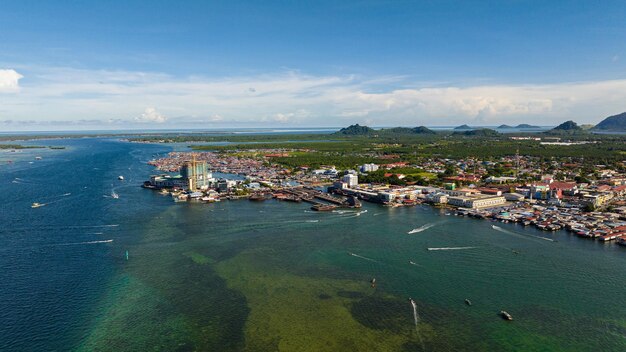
column 196, row 174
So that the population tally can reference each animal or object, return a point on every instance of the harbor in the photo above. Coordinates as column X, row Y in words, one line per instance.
column 327, row 191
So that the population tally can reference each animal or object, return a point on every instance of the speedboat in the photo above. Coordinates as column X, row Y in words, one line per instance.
column 468, row 302
column 505, row 315
column 37, row 205
column 373, row 282
column 120, row 177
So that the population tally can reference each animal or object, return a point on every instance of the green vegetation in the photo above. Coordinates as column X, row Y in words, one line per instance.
column 567, row 127
column 355, row 130
column 481, row 132
column 350, row 151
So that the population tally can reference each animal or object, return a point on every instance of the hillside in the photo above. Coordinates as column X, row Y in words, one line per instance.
column 481, row 132
column 525, row 125
column 355, row 130
column 613, row 123
column 567, row 127
column 463, row 127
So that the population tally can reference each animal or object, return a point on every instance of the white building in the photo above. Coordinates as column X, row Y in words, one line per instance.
column 350, row 180
column 369, row 167
column 476, row 202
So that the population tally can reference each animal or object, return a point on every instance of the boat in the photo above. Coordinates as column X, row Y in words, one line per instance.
column 373, row 282
column 468, row 302
column 412, row 301
column 412, row 262
column 495, row 227
column 37, row 205
column 114, row 195
column 120, row 177
column 37, row 158
column 323, row 207
column 505, row 315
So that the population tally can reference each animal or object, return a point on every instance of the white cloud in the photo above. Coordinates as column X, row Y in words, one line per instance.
column 291, row 98
column 9, row 81
column 151, row 115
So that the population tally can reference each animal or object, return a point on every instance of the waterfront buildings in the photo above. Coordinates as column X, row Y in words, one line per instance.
column 350, row 180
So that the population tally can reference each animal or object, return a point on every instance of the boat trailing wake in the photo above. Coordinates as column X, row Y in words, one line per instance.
column 416, row 320
column 421, row 228
column 498, row 228
column 312, row 221
column 449, row 248
column 87, row 242
column 362, row 257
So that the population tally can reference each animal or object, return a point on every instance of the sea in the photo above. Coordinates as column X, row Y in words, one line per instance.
column 90, row 272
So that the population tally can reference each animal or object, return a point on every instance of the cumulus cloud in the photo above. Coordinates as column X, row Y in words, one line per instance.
column 293, row 98
column 9, row 81
column 151, row 115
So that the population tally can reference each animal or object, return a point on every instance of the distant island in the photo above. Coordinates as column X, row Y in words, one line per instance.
column 612, row 123
column 463, row 127
column 523, row 126
column 358, row 130
column 526, row 126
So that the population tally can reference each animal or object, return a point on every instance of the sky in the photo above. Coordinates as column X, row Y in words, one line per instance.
column 214, row 64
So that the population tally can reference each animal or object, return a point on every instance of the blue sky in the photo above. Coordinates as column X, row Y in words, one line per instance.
column 121, row 64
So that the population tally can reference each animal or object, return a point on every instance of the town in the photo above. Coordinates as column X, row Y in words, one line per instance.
column 588, row 208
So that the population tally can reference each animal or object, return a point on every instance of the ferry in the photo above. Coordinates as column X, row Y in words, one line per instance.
column 505, row 315
column 37, row 205
column 323, row 207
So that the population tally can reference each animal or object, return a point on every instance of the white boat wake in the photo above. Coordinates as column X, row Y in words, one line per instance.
column 416, row 320
column 449, row 248
column 498, row 228
column 362, row 257
column 421, row 228
column 87, row 242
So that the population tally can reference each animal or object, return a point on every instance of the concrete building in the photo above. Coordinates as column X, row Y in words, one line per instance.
column 196, row 175
column 476, row 202
column 350, row 180
column 167, row 181
column 369, row 167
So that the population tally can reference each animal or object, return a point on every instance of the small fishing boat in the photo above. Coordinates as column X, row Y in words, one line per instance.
column 120, row 177
column 468, row 302
column 505, row 315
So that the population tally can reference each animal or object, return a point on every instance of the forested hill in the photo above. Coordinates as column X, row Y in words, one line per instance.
column 613, row 123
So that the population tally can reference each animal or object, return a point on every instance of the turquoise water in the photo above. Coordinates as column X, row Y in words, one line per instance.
column 240, row 275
